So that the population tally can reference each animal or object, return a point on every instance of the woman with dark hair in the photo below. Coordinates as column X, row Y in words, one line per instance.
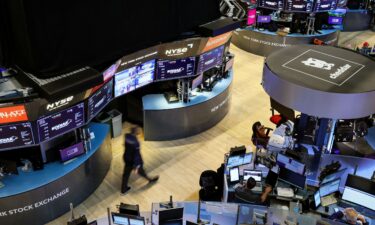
column 260, row 136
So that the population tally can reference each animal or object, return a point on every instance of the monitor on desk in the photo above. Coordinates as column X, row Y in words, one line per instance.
column 333, row 176
column 136, row 220
column 359, row 197
column 239, row 160
column 291, row 164
column 317, row 199
column 295, row 179
column 171, row 216
column 329, row 188
column 256, row 174
column 271, row 178
column 120, row 219
column 302, row 6
column 234, row 175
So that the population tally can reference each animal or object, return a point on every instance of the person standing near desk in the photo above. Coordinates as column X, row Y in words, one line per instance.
column 133, row 160
column 349, row 216
column 245, row 193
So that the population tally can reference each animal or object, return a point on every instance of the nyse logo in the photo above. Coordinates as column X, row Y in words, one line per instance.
column 61, row 125
column 8, row 140
column 179, row 51
column 60, row 103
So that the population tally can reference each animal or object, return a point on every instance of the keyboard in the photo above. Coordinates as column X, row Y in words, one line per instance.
column 328, row 200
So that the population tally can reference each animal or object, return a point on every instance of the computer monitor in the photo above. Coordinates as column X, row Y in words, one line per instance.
column 256, row 174
column 264, row 19
column 291, row 164
column 170, row 215
column 334, row 176
column 325, row 5
column 197, row 81
column 335, row 20
column 359, row 197
column 317, row 199
column 292, row 178
column 329, row 188
column 283, row 110
column 239, row 160
column 271, row 4
column 271, row 178
column 234, row 174
column 136, row 220
column 360, row 183
column 120, row 219
column 302, row 6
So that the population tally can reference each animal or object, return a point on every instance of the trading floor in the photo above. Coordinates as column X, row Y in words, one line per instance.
column 180, row 163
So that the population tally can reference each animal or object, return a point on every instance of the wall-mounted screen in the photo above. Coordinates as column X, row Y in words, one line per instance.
column 175, row 69
column 298, row 5
column 264, row 19
column 325, row 5
column 334, row 20
column 16, row 135
column 271, row 4
column 210, row 59
column 72, row 152
column 99, row 100
column 134, row 77
column 60, row 123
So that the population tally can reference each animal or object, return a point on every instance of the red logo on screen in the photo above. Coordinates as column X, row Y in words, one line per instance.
column 13, row 114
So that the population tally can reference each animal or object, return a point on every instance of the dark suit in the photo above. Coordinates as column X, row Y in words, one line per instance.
column 133, row 159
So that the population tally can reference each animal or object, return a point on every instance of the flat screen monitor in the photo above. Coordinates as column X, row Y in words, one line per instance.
column 234, row 174
column 251, row 16
column 360, row 183
column 16, row 135
column 264, row 19
column 180, row 68
column 256, row 174
column 271, row 4
column 329, row 188
column 335, row 20
column 359, row 197
column 120, row 219
column 271, row 178
column 238, row 160
column 292, row 178
column 291, row 164
column 210, row 59
column 135, row 77
column 99, row 100
column 325, row 5
column 136, row 220
column 334, row 176
column 298, row 6
column 197, row 81
column 72, row 152
column 317, row 199
column 60, row 123
column 172, row 214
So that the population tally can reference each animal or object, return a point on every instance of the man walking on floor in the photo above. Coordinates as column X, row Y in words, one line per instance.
column 133, row 160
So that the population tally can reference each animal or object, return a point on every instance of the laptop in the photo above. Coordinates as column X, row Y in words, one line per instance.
column 257, row 175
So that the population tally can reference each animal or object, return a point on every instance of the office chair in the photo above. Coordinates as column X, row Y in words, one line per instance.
column 210, row 190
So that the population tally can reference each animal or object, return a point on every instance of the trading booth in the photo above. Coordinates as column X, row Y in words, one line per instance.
column 276, row 24
column 55, row 144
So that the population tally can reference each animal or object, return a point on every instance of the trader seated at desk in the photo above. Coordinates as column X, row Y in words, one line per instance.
column 349, row 216
column 245, row 193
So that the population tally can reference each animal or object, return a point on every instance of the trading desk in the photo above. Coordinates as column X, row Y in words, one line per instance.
column 169, row 121
column 40, row 196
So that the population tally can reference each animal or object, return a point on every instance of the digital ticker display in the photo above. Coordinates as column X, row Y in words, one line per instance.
column 16, row 135
column 60, row 123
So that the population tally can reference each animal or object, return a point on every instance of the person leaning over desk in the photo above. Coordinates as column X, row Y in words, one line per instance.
column 349, row 216
column 245, row 193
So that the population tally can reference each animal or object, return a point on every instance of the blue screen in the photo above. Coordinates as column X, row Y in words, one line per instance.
column 210, row 59
column 175, row 69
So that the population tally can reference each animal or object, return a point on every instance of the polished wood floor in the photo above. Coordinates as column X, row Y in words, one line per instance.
column 180, row 163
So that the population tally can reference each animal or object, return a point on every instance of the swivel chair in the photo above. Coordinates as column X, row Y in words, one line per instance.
column 210, row 190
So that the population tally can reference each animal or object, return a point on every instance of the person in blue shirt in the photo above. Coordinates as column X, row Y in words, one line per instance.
column 133, row 160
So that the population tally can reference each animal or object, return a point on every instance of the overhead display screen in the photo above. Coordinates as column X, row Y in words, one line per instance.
column 175, row 69
column 99, row 100
column 16, row 135
column 325, row 5
column 210, row 59
column 298, row 5
column 271, row 4
column 60, row 123
column 134, row 77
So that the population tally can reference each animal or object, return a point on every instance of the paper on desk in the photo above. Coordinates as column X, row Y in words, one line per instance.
column 285, row 192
